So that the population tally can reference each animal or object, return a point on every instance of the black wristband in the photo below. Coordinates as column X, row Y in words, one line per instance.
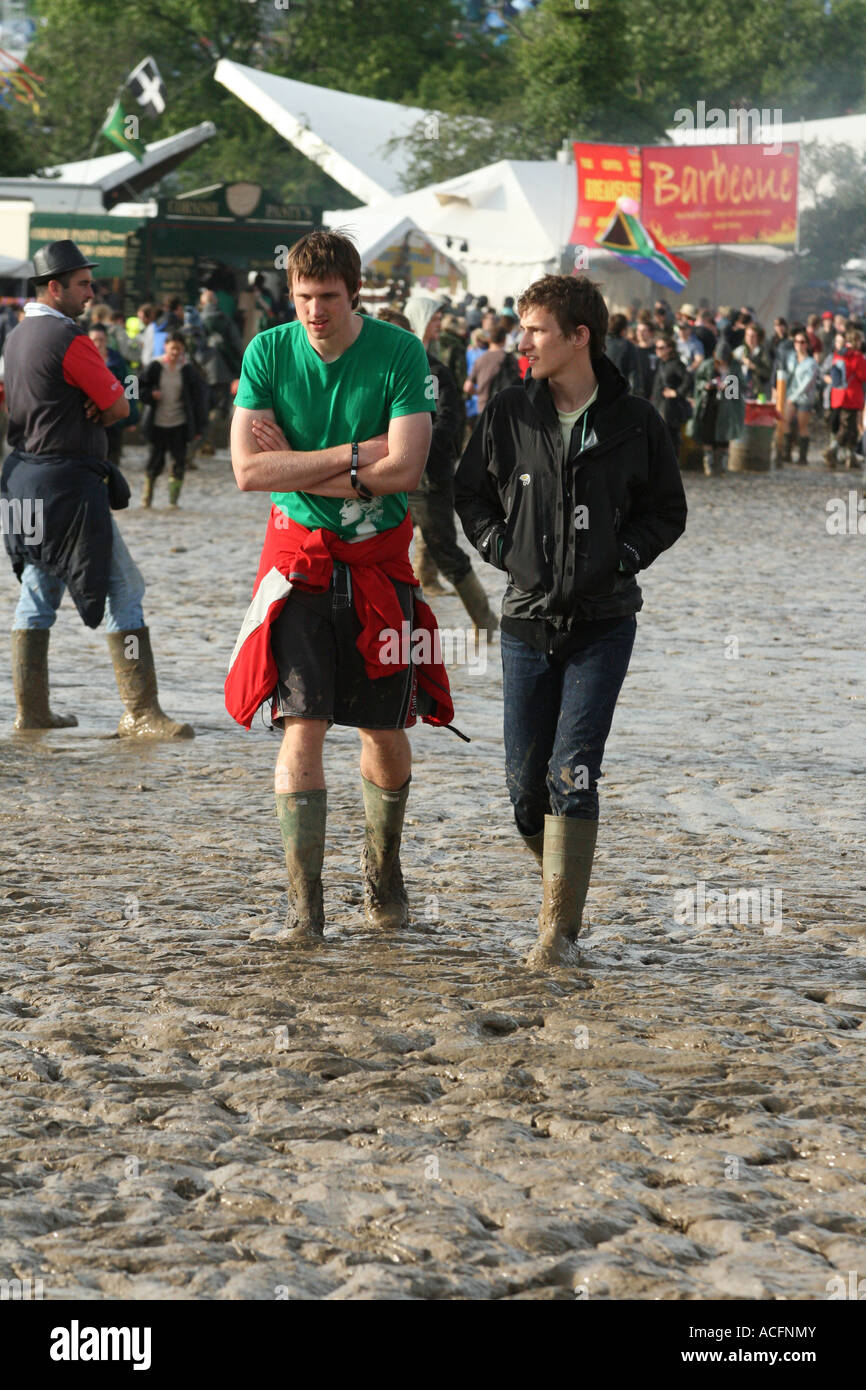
column 353, row 471
column 363, row 492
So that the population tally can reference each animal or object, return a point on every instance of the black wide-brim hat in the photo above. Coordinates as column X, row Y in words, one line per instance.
column 57, row 258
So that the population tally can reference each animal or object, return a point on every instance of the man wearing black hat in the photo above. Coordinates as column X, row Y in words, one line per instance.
column 58, row 489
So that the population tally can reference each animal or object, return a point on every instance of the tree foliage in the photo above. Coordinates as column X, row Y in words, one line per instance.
column 616, row 70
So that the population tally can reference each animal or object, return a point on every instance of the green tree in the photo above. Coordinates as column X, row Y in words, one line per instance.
column 833, row 229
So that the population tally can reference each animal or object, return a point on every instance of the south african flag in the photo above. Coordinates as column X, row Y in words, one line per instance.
column 636, row 246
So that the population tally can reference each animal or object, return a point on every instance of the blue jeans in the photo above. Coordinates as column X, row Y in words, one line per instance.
column 41, row 593
column 558, row 714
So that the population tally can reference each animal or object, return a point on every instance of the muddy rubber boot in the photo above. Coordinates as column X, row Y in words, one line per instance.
column 147, row 492
column 174, row 487
column 30, row 681
column 135, row 674
column 302, row 817
column 425, row 568
column 708, row 463
column 535, row 845
column 476, row 603
column 788, row 448
column 803, row 449
column 829, row 456
column 385, row 901
column 569, row 847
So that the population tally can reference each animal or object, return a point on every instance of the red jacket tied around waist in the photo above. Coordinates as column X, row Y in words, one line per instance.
column 293, row 555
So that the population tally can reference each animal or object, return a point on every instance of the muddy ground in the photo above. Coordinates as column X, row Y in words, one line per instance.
column 188, row 1114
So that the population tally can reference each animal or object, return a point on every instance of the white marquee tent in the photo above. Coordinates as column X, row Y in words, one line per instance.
column 514, row 217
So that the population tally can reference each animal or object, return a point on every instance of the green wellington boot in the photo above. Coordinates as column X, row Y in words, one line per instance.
column 476, row 603
column 385, row 901
column 302, row 817
column 134, row 671
column 30, row 681
column 426, row 571
column 174, row 487
column 147, row 492
column 569, row 847
column 535, row 845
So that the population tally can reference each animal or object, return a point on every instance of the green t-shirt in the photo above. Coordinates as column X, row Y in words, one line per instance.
column 317, row 405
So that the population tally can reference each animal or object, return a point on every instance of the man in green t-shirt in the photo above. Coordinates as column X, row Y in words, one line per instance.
column 333, row 419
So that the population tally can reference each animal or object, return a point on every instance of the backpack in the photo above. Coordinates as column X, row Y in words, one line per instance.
column 507, row 375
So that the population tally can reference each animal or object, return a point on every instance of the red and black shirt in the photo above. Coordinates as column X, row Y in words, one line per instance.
column 51, row 370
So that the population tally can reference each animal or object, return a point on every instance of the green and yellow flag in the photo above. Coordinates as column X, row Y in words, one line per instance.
column 122, row 131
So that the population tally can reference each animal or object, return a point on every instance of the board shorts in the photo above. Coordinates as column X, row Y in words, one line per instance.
column 314, row 641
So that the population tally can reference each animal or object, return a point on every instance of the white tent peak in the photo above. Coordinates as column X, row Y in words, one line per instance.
column 346, row 135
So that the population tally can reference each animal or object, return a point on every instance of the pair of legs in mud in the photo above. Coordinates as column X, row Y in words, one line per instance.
column 323, row 680
column 128, row 643
column 797, row 424
column 558, row 708
column 301, row 805
column 171, row 440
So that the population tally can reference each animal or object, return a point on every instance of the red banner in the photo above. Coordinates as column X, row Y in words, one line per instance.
column 604, row 173
column 708, row 195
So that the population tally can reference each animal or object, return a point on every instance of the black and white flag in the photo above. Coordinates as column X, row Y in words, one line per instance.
column 148, row 87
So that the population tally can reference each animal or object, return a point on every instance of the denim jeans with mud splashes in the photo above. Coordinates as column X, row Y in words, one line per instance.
column 558, row 714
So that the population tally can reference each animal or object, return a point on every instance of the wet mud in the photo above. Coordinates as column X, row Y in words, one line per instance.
column 677, row 1113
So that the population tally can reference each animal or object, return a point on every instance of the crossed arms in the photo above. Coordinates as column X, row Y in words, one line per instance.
column 263, row 460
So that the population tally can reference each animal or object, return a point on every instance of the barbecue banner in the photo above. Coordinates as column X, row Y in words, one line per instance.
column 604, row 173
column 709, row 195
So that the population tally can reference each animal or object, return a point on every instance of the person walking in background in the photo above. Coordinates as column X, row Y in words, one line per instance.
column 451, row 347
column 432, row 502
column 689, row 349
column 118, row 365
column 646, row 359
column 801, row 390
column 622, row 352
column 493, row 371
column 754, row 363
column 168, row 320
column 847, row 376
column 670, row 389
column 720, row 407
column 177, row 395
column 220, row 361
column 479, row 344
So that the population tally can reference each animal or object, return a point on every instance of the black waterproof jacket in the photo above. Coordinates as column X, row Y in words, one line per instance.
column 561, row 527
column 448, row 425
column 195, row 399
column 71, row 499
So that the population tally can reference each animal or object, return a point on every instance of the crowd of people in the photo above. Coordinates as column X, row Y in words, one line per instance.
column 699, row 367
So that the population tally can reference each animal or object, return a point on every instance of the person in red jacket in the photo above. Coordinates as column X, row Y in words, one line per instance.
column 847, row 377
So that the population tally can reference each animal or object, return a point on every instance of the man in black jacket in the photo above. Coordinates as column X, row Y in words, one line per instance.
column 570, row 485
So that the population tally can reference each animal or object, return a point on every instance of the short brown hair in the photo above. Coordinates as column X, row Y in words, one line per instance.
column 390, row 315
column 575, row 301
column 326, row 256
